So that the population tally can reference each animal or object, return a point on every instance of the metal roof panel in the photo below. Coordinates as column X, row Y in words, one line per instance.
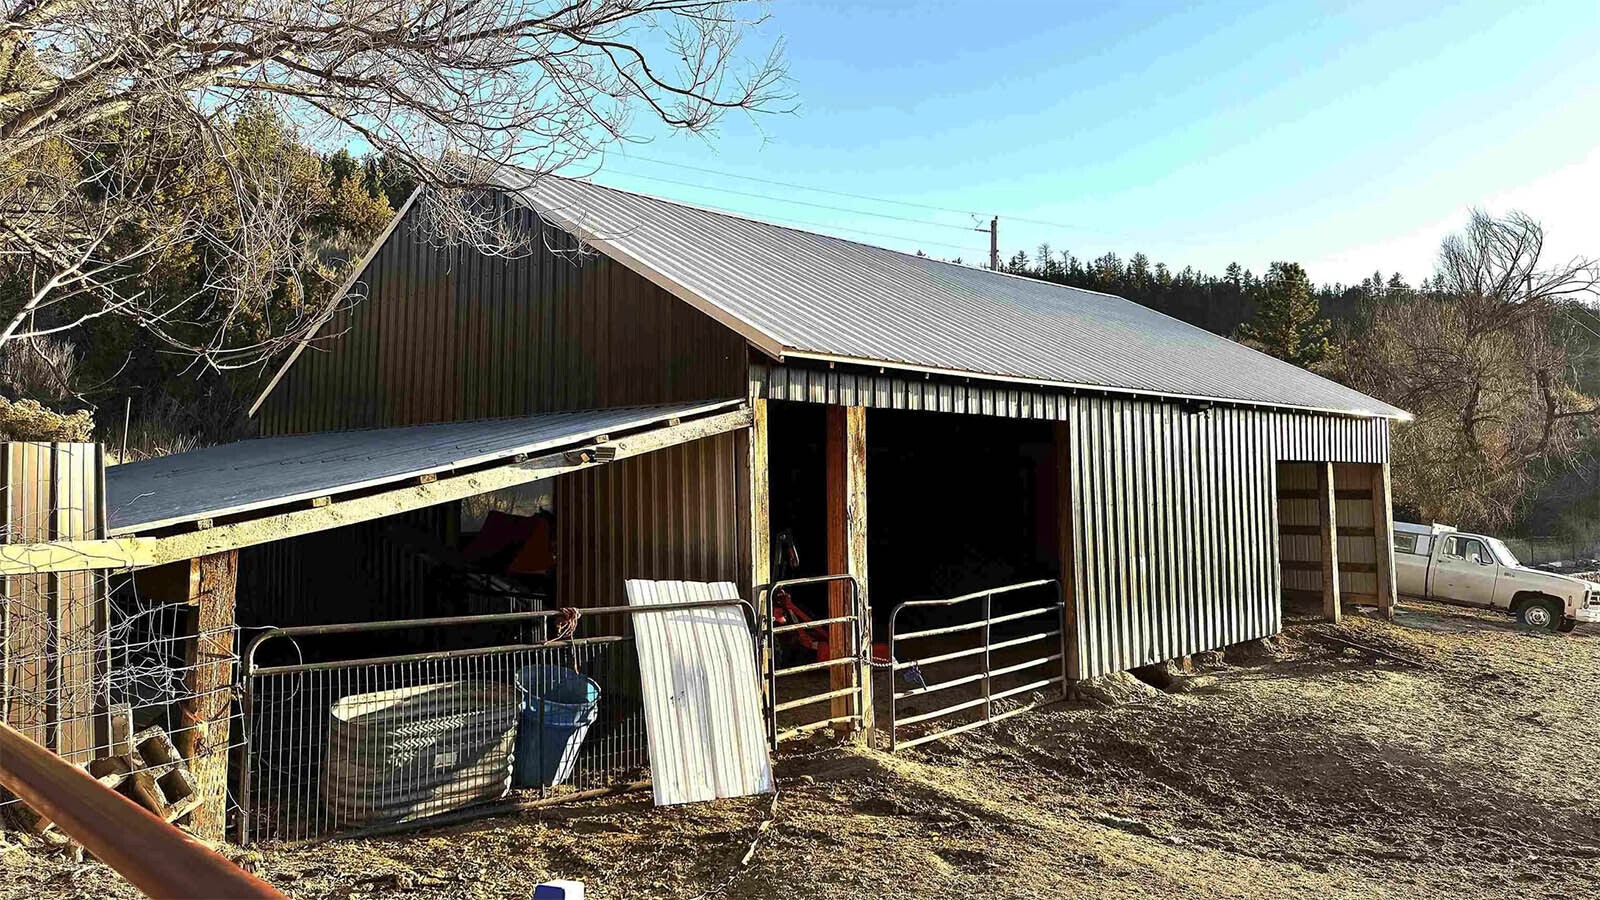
column 249, row 475
column 789, row 290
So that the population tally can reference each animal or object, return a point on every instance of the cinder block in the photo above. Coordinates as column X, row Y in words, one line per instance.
column 155, row 747
column 121, row 729
column 111, row 771
column 144, row 785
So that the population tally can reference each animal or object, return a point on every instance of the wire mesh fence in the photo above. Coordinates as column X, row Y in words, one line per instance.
column 341, row 739
column 116, row 681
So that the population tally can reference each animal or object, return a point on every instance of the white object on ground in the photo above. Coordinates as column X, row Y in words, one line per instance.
column 559, row 890
column 702, row 696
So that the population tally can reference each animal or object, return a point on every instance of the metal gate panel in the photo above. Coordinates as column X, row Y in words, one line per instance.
column 855, row 658
column 1038, row 645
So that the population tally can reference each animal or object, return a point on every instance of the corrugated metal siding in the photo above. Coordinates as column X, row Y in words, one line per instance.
column 789, row 290
column 1294, row 435
column 668, row 515
column 1174, row 519
column 449, row 334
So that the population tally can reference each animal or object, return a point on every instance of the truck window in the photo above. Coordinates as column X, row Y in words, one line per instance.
column 1405, row 543
column 1468, row 549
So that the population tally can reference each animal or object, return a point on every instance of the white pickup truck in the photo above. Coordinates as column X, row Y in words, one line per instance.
column 1436, row 562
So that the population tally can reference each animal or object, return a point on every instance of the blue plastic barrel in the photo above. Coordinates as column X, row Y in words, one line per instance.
column 558, row 706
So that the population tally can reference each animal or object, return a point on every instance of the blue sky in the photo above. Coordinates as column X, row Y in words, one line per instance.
column 1349, row 137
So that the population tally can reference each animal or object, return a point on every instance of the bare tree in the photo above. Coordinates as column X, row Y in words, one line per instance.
column 120, row 151
column 1472, row 355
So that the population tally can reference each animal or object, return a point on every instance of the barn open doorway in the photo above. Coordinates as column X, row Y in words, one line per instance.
column 1330, row 516
column 955, row 505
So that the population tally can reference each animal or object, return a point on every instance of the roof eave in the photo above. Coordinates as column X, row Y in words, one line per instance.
column 1397, row 415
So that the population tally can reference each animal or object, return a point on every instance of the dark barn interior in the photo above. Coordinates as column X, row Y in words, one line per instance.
column 955, row 503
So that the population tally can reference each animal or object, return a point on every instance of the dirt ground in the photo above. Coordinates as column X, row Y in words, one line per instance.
column 1457, row 764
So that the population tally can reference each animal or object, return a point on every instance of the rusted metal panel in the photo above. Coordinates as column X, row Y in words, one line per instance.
column 1175, row 513
column 671, row 515
column 448, row 334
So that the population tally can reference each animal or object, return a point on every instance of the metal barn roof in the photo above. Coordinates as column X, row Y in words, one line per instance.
column 248, row 475
column 796, row 294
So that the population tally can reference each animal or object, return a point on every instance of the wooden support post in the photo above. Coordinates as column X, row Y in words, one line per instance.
column 754, row 486
column 208, row 584
column 1328, row 531
column 1383, row 539
column 1066, row 515
column 847, row 550
column 755, row 517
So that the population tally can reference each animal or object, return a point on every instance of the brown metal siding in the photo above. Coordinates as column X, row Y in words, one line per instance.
column 52, row 625
column 448, row 333
column 672, row 514
column 1174, row 516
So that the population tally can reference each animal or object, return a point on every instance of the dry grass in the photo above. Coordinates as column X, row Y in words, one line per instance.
column 1321, row 772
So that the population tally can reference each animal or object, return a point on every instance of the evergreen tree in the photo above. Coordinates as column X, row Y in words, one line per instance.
column 1288, row 322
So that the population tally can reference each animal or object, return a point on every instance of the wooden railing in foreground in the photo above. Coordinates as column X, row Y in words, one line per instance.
column 155, row 857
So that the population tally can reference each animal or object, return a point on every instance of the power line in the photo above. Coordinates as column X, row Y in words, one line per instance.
column 854, row 212
column 846, row 194
column 1578, row 322
column 912, row 241
column 802, row 187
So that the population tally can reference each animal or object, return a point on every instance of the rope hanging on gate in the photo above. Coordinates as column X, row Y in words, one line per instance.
column 566, row 628
column 566, row 624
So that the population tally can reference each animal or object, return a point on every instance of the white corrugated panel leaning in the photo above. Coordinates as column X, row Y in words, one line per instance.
column 702, row 696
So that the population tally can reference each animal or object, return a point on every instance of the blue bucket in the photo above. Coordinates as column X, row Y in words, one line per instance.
column 558, row 706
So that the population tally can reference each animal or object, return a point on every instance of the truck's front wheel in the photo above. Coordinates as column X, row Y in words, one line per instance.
column 1540, row 613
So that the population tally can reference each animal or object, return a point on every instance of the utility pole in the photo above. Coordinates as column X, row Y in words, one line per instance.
column 994, row 243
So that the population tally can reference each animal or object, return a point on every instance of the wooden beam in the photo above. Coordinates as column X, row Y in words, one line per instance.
column 208, row 586
column 1301, row 494
column 1315, row 565
column 1314, row 530
column 1383, row 538
column 755, row 503
column 846, row 449
column 267, row 526
column 1327, row 524
column 204, row 717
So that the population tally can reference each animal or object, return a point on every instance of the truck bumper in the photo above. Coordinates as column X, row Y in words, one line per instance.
column 1588, row 614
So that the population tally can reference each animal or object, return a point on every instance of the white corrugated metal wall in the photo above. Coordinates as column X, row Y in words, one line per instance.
column 1175, row 522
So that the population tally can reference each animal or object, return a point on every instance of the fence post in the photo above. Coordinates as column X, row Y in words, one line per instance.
column 988, row 664
column 207, row 586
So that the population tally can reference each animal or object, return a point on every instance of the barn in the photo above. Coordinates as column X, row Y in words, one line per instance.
column 932, row 429
column 946, row 493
